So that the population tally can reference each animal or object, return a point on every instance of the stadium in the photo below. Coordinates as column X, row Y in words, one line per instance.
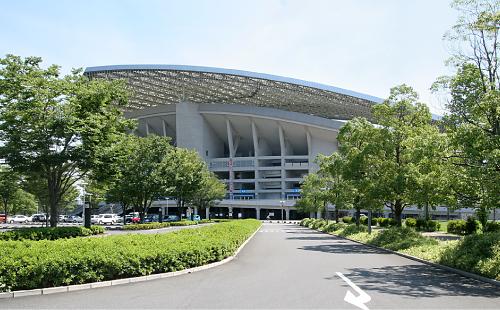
column 258, row 133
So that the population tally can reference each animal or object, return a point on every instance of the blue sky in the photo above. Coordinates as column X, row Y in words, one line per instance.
column 362, row 45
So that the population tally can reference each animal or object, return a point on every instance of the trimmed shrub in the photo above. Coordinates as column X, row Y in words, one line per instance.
column 478, row 253
column 146, row 226
column 473, row 226
column 456, row 227
column 36, row 264
column 221, row 220
column 386, row 222
column 400, row 238
column 204, row 221
column 353, row 229
column 331, row 227
column 492, row 227
column 305, row 221
column 348, row 219
column 188, row 223
column 411, row 222
column 50, row 233
column 318, row 224
column 430, row 225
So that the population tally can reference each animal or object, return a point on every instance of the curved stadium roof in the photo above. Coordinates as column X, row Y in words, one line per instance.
column 154, row 85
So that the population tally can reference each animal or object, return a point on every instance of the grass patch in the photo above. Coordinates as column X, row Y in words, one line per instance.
column 46, row 263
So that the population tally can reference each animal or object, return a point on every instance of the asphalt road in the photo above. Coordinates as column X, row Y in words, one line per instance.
column 287, row 266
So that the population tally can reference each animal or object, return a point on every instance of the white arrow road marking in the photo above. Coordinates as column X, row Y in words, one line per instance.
column 358, row 301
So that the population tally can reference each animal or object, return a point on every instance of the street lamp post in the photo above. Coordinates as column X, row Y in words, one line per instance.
column 282, row 210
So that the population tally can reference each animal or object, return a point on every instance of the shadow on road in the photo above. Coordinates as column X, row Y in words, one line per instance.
column 342, row 248
column 418, row 281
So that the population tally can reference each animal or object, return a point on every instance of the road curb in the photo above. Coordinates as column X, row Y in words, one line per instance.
column 454, row 270
column 87, row 286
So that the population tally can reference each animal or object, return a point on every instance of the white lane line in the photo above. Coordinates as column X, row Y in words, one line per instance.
column 358, row 301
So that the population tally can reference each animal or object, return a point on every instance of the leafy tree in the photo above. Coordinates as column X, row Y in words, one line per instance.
column 23, row 203
column 9, row 186
column 314, row 195
column 360, row 148
column 338, row 189
column 400, row 119
column 211, row 188
column 474, row 104
column 184, row 171
column 142, row 176
column 57, row 127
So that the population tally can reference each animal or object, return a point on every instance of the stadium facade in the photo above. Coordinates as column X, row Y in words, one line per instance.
column 258, row 133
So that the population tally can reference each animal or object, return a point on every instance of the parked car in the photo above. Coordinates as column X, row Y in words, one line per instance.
column 39, row 218
column 150, row 218
column 132, row 218
column 94, row 219
column 18, row 219
column 195, row 217
column 74, row 219
column 171, row 218
column 2, row 218
column 109, row 219
column 63, row 218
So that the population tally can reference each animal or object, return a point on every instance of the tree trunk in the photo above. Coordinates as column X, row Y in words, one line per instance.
column 358, row 215
column 426, row 211
column 398, row 210
column 336, row 215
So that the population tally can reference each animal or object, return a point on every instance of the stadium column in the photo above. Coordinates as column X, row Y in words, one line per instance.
column 255, row 138
column 283, row 153
column 189, row 127
column 164, row 125
column 231, row 155
column 309, row 148
column 147, row 127
column 257, row 213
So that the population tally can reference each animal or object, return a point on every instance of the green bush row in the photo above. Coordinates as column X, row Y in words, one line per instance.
column 50, row 233
column 30, row 264
column 145, row 226
column 157, row 225
column 422, row 224
column 462, row 227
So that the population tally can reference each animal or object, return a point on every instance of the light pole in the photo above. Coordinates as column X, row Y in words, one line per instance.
column 168, row 198
column 282, row 210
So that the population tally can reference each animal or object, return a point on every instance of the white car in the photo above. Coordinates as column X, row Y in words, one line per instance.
column 18, row 219
column 108, row 219
column 94, row 219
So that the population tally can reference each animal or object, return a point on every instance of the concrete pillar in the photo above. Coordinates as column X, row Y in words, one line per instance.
column 283, row 153
column 318, row 215
column 257, row 213
column 230, row 212
column 147, row 128
column 195, row 210
column 287, row 214
column 189, row 127
column 207, row 212
column 164, row 125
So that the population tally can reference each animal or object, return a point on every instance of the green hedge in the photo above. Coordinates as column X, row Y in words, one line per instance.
column 37, row 264
column 154, row 225
column 50, row 233
column 462, row 227
column 427, row 225
column 478, row 253
column 348, row 219
column 411, row 222
column 456, row 227
column 183, row 223
column 386, row 222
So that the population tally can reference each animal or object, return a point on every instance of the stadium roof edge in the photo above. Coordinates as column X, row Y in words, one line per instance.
column 237, row 73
